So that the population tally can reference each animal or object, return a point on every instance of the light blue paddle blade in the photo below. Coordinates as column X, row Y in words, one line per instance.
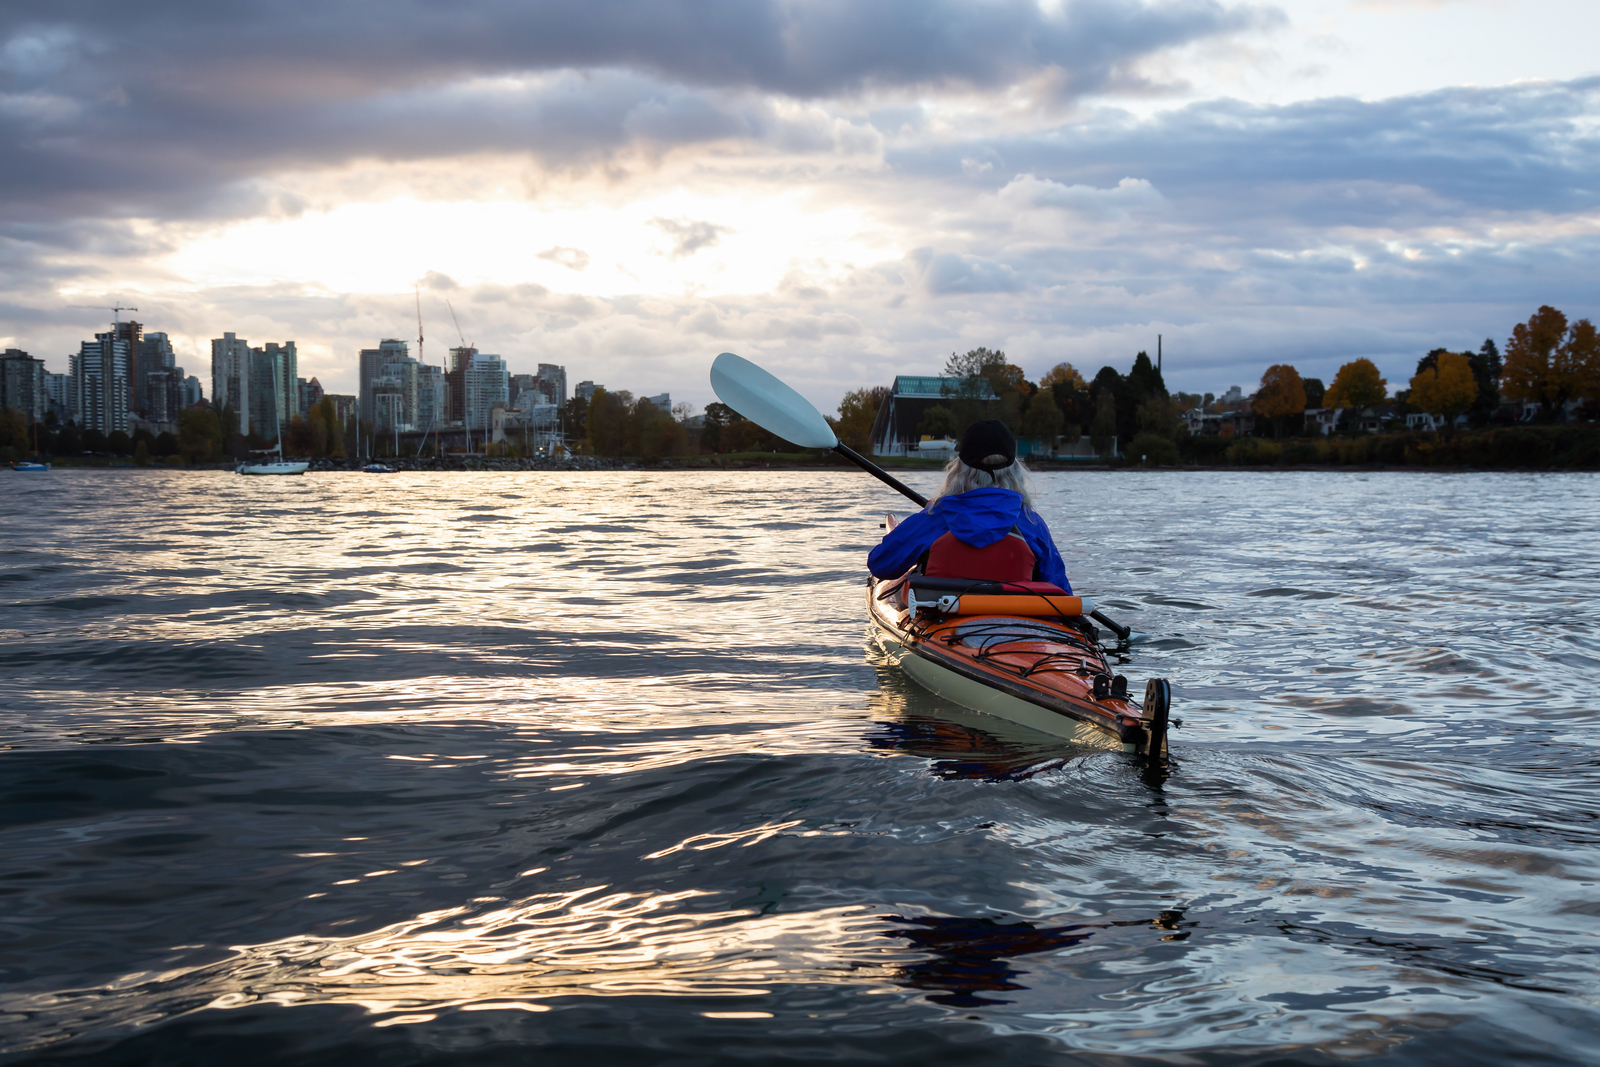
column 769, row 403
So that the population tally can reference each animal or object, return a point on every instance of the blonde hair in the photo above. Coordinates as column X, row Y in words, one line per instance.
column 960, row 478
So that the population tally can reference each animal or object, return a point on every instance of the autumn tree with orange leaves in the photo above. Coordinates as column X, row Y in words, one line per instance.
column 1548, row 363
column 1282, row 394
column 1358, row 385
column 1446, row 388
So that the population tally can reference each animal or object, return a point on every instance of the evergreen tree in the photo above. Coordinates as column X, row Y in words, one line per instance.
column 716, row 419
column 1144, row 381
column 1104, row 429
column 1486, row 369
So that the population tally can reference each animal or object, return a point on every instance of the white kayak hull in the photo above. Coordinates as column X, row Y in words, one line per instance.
column 987, row 700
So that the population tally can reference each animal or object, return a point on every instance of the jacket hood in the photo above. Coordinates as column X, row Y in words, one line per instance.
column 980, row 517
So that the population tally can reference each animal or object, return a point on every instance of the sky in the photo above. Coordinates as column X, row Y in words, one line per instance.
column 841, row 190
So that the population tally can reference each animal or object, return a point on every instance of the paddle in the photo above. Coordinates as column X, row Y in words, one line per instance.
column 772, row 405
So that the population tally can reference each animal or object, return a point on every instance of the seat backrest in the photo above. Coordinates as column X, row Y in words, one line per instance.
column 1007, row 560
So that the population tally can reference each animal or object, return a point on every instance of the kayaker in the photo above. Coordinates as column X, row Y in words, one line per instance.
column 985, row 497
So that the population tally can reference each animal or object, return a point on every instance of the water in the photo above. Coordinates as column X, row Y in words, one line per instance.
column 599, row 768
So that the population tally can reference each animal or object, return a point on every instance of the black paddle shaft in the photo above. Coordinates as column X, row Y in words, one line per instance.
column 878, row 472
column 890, row 480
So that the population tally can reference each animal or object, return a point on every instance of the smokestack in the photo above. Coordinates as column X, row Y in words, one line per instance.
column 1158, row 353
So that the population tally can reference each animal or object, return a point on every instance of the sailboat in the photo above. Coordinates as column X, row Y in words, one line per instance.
column 272, row 461
column 35, row 465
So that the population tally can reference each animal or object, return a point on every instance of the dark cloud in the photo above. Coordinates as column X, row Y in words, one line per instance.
column 1401, row 162
column 291, row 49
column 107, row 109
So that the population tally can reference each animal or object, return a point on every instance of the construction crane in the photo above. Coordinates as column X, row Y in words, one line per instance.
column 115, row 312
column 418, row 294
column 458, row 324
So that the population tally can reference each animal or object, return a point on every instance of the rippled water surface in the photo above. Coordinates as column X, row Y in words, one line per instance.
column 599, row 768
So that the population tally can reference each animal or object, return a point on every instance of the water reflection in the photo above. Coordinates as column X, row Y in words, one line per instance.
column 957, row 751
column 529, row 953
column 967, row 957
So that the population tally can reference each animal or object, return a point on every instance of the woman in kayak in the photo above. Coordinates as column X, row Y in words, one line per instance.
column 985, row 498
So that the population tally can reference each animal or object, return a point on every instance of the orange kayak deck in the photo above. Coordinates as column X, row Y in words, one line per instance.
column 1045, row 673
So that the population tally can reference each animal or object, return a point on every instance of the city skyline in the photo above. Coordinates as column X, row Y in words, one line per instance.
column 1302, row 180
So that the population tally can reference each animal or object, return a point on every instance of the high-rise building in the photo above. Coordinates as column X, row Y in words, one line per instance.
column 100, row 370
column 485, row 384
column 274, row 393
column 552, row 381
column 586, row 390
column 163, row 395
column 264, row 407
column 23, row 384
column 371, row 364
column 285, row 375
column 430, row 397
column 521, row 385
column 402, row 393
column 131, row 334
column 155, row 352
column 192, row 393
column 310, row 394
column 663, row 401
column 388, row 410
column 455, row 384
column 62, row 389
column 230, row 377
column 160, row 380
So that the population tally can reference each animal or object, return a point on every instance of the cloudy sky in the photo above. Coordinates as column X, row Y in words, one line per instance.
column 841, row 189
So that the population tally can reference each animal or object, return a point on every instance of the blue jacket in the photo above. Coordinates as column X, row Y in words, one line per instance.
column 979, row 517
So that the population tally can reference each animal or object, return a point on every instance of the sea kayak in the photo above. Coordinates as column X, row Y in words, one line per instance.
column 1009, row 650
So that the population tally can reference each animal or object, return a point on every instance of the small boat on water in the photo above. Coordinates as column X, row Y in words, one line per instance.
column 272, row 462
column 1022, row 651
column 378, row 468
column 30, row 466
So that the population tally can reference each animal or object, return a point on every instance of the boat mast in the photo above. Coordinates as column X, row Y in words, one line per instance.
column 277, row 412
column 466, row 423
column 434, row 407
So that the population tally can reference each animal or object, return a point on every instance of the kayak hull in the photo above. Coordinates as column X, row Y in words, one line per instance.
column 1036, row 672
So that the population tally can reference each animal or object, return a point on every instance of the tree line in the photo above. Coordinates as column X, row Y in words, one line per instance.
column 1134, row 408
column 204, row 435
column 1548, row 361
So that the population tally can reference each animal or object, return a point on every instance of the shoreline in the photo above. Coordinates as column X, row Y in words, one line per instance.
column 513, row 466
column 1519, row 448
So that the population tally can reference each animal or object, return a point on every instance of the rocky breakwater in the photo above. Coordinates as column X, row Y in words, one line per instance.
column 480, row 463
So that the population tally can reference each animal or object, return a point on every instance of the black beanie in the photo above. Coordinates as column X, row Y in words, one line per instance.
column 985, row 438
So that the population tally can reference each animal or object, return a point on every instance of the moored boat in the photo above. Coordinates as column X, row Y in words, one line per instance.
column 272, row 461
column 378, row 468
column 30, row 466
column 272, row 464
column 1019, row 651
